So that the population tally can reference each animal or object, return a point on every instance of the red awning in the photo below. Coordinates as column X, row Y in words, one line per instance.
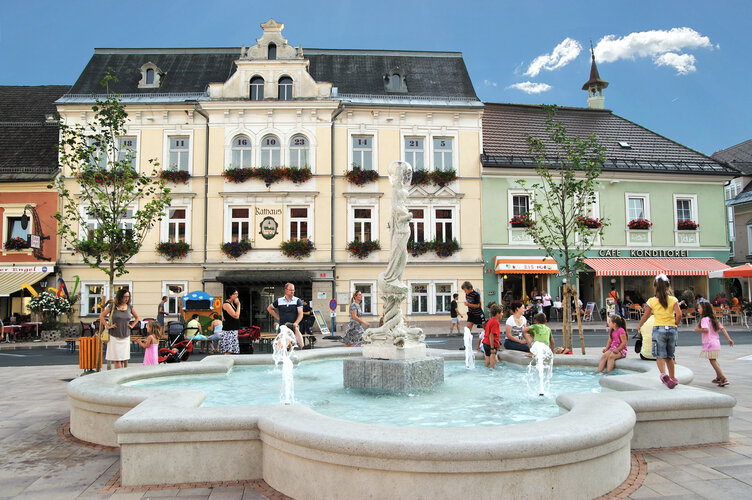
column 690, row 266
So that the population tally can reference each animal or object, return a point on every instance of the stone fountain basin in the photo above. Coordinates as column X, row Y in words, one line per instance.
column 166, row 437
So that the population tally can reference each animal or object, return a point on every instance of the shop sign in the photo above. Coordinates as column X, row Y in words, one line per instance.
column 26, row 269
column 643, row 253
column 532, row 266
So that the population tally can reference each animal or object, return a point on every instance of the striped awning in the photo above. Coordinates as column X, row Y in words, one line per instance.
column 12, row 278
column 688, row 266
column 525, row 265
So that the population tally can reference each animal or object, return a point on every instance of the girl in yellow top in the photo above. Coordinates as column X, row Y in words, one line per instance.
column 667, row 314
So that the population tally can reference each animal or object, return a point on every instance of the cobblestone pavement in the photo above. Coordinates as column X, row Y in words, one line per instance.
column 38, row 461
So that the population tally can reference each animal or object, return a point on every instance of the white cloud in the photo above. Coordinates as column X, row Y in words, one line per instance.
column 564, row 53
column 531, row 87
column 663, row 46
column 489, row 83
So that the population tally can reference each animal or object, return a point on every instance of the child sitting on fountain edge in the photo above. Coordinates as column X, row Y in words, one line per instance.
column 539, row 332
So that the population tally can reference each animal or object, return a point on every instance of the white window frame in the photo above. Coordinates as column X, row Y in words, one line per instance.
column 451, row 153
column 173, row 134
column 289, row 88
column 694, row 212
column 749, row 239
column 412, row 295
column 732, row 189
column 409, row 156
column 263, row 88
column 229, row 220
column 165, row 223
column 374, row 220
column 435, row 296
column 374, row 295
column 374, row 148
column 107, row 295
column 435, row 220
column 646, row 204
column 270, row 151
column 510, row 208
column 295, row 151
column 431, row 291
column 692, row 198
column 136, row 137
column 244, row 151
column 593, row 211
column 308, row 219
column 426, row 221
column 15, row 211
column 166, row 291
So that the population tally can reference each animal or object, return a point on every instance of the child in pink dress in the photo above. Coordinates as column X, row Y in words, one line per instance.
column 711, row 342
column 616, row 348
column 151, row 343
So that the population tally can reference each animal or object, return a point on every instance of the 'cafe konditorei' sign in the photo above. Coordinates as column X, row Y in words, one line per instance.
column 643, row 253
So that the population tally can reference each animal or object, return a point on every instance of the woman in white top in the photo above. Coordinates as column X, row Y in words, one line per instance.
column 547, row 301
column 515, row 323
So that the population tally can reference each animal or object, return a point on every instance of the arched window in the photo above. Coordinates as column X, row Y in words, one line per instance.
column 241, row 152
column 272, row 53
column 285, row 88
column 257, row 89
column 299, row 151
column 150, row 76
column 271, row 152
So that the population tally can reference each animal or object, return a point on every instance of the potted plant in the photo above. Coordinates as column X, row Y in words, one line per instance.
column 235, row 249
column 16, row 244
column 639, row 224
column 686, row 225
column 50, row 306
column 443, row 177
column 420, row 177
column 362, row 249
column 445, row 248
column 589, row 222
column 358, row 176
column 417, row 248
column 173, row 250
column 524, row 220
column 268, row 174
column 238, row 174
column 296, row 249
column 175, row 176
column 297, row 174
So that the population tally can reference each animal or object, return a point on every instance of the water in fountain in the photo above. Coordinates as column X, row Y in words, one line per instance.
column 283, row 346
column 540, row 369
column 469, row 354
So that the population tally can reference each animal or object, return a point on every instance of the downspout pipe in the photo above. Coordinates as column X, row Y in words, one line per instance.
column 206, row 188
column 339, row 111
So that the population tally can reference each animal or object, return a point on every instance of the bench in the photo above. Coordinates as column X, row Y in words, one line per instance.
column 70, row 344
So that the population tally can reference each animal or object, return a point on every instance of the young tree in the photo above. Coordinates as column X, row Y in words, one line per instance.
column 568, row 168
column 106, row 216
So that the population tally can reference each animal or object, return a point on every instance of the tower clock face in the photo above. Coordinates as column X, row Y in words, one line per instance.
column 269, row 228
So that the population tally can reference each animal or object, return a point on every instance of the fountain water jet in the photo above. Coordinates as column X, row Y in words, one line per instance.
column 540, row 370
column 283, row 345
column 469, row 355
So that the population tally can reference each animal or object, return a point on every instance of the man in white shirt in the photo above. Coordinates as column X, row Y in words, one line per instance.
column 290, row 311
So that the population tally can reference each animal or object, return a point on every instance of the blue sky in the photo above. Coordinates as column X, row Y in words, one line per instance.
column 675, row 67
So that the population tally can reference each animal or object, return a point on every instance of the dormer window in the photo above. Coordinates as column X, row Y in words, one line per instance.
column 272, row 52
column 151, row 76
column 257, row 88
column 284, row 88
column 394, row 81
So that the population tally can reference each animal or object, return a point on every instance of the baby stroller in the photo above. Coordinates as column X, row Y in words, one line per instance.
column 183, row 350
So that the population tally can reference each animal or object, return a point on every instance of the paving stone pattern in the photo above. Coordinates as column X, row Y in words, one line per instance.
column 39, row 461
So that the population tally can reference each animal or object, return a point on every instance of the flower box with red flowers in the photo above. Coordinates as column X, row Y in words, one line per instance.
column 420, row 178
column 238, row 174
column 417, row 248
column 297, row 249
column 589, row 222
column 235, row 249
column 175, row 176
column 297, row 174
column 686, row 225
column 362, row 249
column 445, row 248
column 358, row 176
column 173, row 250
column 639, row 224
column 523, row 220
column 16, row 244
column 443, row 177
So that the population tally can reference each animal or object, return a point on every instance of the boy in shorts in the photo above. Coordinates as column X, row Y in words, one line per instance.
column 454, row 314
column 539, row 332
column 475, row 314
column 492, row 336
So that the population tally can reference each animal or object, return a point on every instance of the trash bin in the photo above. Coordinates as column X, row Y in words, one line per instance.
column 90, row 353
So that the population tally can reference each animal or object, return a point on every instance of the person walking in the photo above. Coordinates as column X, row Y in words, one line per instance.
column 454, row 314
column 547, row 303
column 228, row 344
column 119, row 346
column 711, row 343
column 289, row 309
column 665, row 308
column 161, row 312
column 613, row 294
column 354, row 329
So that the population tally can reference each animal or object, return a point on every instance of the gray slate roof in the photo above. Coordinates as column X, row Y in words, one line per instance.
column 28, row 143
column 441, row 74
column 738, row 156
column 507, row 126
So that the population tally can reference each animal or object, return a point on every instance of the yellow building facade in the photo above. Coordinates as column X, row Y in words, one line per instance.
column 207, row 111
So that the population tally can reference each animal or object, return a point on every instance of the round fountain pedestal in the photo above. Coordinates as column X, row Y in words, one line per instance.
column 393, row 375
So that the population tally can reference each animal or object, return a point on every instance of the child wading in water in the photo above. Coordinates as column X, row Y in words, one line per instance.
column 616, row 347
column 667, row 314
column 492, row 336
column 539, row 332
column 711, row 342
column 151, row 343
